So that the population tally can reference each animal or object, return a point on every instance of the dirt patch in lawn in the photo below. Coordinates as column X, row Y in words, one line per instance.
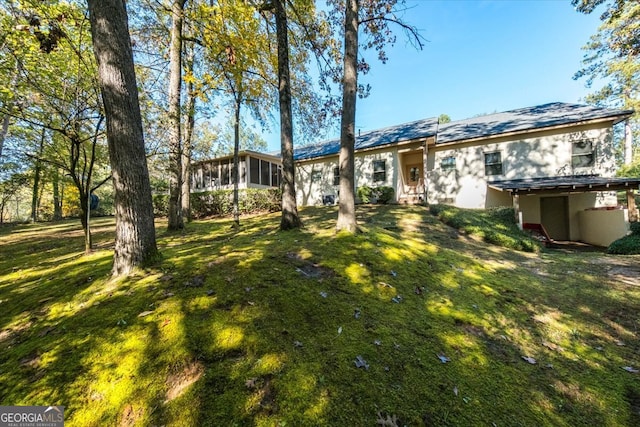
column 622, row 269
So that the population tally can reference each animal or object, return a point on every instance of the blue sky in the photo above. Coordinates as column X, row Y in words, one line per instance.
column 481, row 56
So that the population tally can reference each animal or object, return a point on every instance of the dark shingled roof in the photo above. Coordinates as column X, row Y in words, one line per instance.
column 391, row 135
column 522, row 119
column 566, row 183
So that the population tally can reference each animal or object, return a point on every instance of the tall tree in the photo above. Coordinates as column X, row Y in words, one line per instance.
column 54, row 88
column 346, row 206
column 238, row 48
column 175, row 220
column 189, row 126
column 374, row 17
column 613, row 56
column 135, row 231
column 290, row 218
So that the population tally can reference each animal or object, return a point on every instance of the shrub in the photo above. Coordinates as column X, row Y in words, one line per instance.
column 364, row 193
column 160, row 204
column 503, row 214
column 385, row 194
column 220, row 202
column 635, row 228
column 628, row 245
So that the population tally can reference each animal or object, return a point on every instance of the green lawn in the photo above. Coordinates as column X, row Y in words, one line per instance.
column 266, row 328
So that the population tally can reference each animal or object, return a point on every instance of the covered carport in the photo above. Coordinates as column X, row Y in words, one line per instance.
column 578, row 208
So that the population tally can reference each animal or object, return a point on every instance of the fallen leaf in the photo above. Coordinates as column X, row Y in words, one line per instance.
column 339, row 330
column 297, row 344
column 251, row 382
column 145, row 313
column 323, row 294
column 455, row 390
column 394, row 274
column 361, row 363
column 389, row 421
column 378, row 342
column 630, row 369
column 356, row 313
column 529, row 359
column 397, row 299
column 443, row 358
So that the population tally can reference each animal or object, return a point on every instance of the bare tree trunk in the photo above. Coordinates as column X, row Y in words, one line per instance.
column 290, row 218
column 628, row 142
column 346, row 207
column 3, row 132
column 188, row 141
column 36, row 179
column 236, row 150
column 57, row 196
column 176, row 221
column 135, row 233
column 88, row 244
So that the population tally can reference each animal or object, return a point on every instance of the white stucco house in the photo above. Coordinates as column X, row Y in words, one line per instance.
column 554, row 163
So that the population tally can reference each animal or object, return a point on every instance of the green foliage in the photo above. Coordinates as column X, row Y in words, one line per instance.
column 220, row 202
column 256, row 327
column 444, row 118
column 382, row 195
column 627, row 245
column 496, row 225
column 385, row 194
column 635, row 228
column 631, row 170
column 612, row 57
column 364, row 193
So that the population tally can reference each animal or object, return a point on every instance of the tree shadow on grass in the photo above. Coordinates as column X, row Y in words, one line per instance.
column 256, row 326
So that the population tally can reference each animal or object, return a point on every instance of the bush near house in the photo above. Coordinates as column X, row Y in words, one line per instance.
column 496, row 225
column 220, row 202
column 627, row 245
column 382, row 195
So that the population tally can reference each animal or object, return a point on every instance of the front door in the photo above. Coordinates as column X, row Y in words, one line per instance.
column 413, row 177
column 554, row 215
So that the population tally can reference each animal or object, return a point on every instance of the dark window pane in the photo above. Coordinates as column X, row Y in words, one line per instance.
column 274, row 175
column 448, row 163
column 379, row 171
column 254, row 170
column 336, row 176
column 493, row 163
column 265, row 174
column 583, row 154
column 215, row 173
column 224, row 178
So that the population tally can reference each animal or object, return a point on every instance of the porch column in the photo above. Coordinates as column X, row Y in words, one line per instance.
column 631, row 206
column 516, row 208
column 425, row 179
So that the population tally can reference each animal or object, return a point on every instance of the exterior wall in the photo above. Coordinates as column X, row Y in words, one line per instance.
column 577, row 204
column 602, row 227
column 314, row 178
column 534, row 155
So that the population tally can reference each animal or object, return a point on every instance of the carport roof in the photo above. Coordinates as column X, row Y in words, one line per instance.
column 574, row 183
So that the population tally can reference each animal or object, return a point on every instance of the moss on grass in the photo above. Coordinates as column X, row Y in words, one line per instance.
column 260, row 327
column 496, row 226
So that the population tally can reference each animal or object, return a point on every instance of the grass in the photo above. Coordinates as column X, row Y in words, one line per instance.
column 496, row 226
column 259, row 327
